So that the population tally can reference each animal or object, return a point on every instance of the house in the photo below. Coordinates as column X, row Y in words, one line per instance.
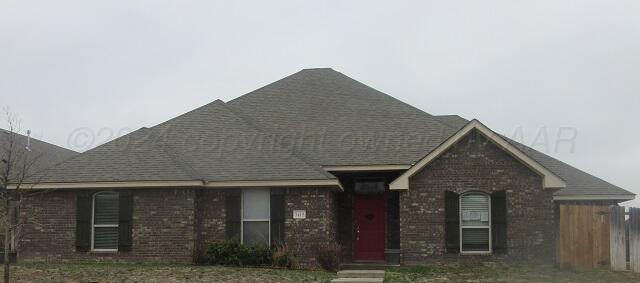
column 313, row 158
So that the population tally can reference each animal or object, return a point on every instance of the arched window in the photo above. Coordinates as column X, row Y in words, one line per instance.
column 104, row 227
column 475, row 223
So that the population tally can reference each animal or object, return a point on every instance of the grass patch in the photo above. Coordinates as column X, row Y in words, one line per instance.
column 121, row 272
column 492, row 272
column 480, row 272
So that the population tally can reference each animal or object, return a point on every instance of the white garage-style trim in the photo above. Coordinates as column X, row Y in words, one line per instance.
column 550, row 180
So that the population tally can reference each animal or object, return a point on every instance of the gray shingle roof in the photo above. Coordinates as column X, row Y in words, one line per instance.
column 221, row 146
column 46, row 154
column 357, row 124
column 287, row 130
column 134, row 157
column 210, row 143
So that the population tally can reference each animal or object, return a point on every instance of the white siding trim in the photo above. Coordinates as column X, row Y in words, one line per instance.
column 329, row 183
column 351, row 168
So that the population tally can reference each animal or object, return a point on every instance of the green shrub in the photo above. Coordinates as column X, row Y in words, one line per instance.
column 256, row 255
column 282, row 258
column 328, row 256
column 235, row 254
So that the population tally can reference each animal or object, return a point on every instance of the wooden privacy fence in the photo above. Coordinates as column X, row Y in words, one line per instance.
column 584, row 237
column 596, row 236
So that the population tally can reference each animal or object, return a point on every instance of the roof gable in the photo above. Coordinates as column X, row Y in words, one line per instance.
column 550, row 180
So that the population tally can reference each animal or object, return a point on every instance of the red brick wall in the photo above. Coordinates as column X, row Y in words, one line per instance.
column 163, row 228
column 476, row 164
column 302, row 236
column 210, row 219
column 170, row 225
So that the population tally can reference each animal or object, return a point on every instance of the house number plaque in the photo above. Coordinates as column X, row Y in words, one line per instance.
column 299, row 214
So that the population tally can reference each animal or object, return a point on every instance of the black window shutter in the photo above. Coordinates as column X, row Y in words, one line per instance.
column 452, row 222
column 125, row 222
column 499, row 221
column 83, row 221
column 232, row 210
column 277, row 218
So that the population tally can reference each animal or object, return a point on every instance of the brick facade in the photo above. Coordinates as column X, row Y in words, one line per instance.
column 163, row 228
column 175, row 225
column 475, row 163
column 303, row 236
column 169, row 225
column 210, row 219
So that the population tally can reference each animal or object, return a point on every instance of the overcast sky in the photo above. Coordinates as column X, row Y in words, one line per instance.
column 525, row 68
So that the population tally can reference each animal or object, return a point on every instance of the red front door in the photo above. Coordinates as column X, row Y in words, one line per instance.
column 369, row 227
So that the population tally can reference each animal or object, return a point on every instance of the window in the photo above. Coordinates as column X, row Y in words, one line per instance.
column 104, row 228
column 475, row 223
column 256, row 220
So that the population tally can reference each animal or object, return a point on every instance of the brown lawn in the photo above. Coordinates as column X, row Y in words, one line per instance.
column 186, row 273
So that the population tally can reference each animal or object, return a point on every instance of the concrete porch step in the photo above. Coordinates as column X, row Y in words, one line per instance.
column 361, row 274
column 365, row 266
column 358, row 280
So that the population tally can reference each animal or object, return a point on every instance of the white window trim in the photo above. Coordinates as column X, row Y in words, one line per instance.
column 94, row 226
column 242, row 219
column 462, row 252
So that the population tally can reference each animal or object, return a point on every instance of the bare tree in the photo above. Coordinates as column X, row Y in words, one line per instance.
column 18, row 171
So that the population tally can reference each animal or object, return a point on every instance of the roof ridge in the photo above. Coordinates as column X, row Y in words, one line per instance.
column 217, row 101
column 251, row 93
column 250, row 123
column 429, row 115
column 173, row 156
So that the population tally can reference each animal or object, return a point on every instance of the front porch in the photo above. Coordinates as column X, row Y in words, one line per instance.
column 368, row 217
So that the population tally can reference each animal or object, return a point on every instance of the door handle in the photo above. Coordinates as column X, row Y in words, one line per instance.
column 357, row 232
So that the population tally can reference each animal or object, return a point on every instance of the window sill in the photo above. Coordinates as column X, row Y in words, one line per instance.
column 103, row 252
column 476, row 253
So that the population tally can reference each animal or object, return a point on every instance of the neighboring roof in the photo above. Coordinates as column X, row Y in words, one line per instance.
column 44, row 154
column 290, row 130
column 550, row 179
